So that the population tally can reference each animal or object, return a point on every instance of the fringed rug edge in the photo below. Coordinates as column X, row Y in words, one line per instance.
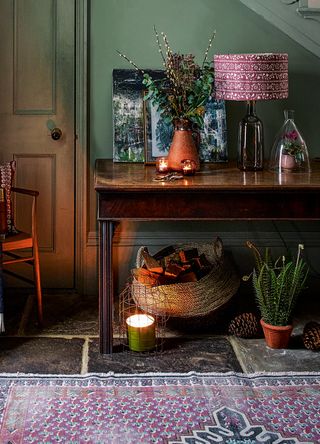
column 155, row 375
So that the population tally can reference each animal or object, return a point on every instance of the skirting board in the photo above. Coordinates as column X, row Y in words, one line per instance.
column 231, row 239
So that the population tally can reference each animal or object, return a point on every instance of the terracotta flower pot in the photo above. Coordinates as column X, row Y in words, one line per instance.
column 276, row 336
column 183, row 146
column 288, row 162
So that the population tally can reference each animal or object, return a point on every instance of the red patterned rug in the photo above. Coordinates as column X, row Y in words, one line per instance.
column 161, row 408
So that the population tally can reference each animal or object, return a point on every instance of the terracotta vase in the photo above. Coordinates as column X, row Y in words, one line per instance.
column 276, row 336
column 183, row 146
column 288, row 162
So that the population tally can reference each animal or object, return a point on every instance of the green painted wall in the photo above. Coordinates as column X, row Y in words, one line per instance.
column 127, row 25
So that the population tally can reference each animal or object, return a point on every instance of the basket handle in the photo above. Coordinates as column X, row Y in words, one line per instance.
column 139, row 260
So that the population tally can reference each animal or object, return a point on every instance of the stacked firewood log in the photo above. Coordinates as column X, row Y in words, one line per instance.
column 171, row 266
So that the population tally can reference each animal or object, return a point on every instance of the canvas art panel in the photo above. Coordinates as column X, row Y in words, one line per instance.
column 128, row 126
column 128, row 115
column 213, row 135
column 158, row 133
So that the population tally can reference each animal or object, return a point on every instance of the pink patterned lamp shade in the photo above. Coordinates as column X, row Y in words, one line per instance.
column 251, row 76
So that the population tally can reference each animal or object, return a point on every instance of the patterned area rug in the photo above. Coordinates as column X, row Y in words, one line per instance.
column 161, row 408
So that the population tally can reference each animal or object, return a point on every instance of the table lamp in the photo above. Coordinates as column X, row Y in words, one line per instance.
column 251, row 77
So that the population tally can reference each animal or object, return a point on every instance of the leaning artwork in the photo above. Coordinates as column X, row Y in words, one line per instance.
column 128, row 126
column 141, row 135
column 213, row 136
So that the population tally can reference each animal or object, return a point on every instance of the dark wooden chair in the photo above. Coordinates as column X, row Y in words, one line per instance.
column 12, row 243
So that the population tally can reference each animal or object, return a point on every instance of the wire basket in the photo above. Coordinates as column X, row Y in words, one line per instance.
column 190, row 299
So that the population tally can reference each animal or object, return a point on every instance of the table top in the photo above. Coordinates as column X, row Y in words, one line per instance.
column 131, row 177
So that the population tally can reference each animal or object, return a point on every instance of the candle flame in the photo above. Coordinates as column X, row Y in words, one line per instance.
column 140, row 320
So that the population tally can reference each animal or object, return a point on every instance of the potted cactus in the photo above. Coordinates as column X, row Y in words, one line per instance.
column 277, row 285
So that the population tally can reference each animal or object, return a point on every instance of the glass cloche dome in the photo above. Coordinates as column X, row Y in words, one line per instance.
column 289, row 152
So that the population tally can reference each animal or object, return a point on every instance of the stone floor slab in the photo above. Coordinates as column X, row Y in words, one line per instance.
column 14, row 306
column 201, row 354
column 68, row 314
column 40, row 355
column 255, row 356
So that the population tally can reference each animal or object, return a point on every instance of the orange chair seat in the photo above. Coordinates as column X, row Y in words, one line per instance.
column 17, row 242
column 25, row 241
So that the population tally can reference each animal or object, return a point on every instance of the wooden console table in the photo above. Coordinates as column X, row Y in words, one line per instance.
column 217, row 192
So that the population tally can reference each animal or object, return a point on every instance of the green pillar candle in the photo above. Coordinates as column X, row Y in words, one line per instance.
column 141, row 332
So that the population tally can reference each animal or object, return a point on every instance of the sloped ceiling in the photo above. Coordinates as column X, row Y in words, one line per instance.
column 298, row 20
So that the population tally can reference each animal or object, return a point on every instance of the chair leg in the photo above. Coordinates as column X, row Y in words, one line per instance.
column 37, row 283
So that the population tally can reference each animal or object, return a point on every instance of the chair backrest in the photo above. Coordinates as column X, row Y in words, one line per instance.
column 28, row 220
column 7, row 172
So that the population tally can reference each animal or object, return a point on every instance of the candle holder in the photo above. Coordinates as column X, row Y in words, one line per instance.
column 162, row 165
column 128, row 309
column 141, row 332
column 188, row 167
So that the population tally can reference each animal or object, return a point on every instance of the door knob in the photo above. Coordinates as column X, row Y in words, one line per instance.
column 56, row 133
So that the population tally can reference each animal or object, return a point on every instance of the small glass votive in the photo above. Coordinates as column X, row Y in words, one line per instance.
column 188, row 167
column 162, row 165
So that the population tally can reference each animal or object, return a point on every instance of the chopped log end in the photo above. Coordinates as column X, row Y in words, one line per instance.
column 187, row 255
column 164, row 252
column 178, row 266
column 173, row 270
column 188, row 277
column 146, row 277
column 151, row 263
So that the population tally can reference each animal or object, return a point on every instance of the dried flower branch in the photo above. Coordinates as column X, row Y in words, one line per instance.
column 186, row 88
column 130, row 61
column 208, row 49
column 159, row 45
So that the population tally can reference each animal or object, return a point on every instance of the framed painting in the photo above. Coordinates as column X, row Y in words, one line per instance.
column 213, row 135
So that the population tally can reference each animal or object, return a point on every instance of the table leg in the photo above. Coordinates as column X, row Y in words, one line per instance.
column 106, row 287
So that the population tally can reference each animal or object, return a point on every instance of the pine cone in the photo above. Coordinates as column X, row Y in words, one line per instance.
column 311, row 336
column 245, row 325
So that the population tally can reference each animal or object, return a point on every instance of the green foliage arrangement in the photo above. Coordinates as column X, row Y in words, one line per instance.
column 291, row 143
column 186, row 87
column 277, row 284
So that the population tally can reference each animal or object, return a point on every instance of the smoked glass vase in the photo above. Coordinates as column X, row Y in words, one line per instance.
column 250, row 140
column 289, row 152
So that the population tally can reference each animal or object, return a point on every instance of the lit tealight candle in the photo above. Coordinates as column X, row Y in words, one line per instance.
column 188, row 167
column 141, row 332
column 162, row 165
